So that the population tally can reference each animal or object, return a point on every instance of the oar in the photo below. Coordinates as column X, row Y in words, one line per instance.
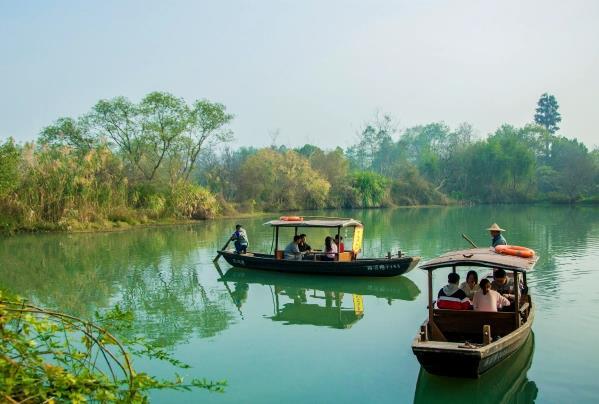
column 222, row 249
column 469, row 240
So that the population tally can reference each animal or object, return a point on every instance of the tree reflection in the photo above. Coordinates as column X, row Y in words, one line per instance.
column 149, row 271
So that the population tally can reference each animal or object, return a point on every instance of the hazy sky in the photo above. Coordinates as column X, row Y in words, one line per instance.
column 314, row 70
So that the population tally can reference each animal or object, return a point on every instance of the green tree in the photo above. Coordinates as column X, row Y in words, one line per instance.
column 547, row 114
column 371, row 188
column 282, row 181
column 69, row 132
column 206, row 124
column 9, row 166
column 574, row 168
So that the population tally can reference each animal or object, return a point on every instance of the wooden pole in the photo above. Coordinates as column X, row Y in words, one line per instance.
column 222, row 249
column 430, row 296
column 468, row 239
column 516, row 299
column 339, row 241
column 276, row 240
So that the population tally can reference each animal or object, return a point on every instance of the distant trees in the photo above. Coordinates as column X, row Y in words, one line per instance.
column 126, row 162
column 122, row 162
column 547, row 114
column 162, row 131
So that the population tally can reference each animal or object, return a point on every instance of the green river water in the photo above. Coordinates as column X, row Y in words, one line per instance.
column 296, row 338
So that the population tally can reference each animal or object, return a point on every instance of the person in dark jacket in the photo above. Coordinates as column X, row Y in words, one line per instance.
column 496, row 237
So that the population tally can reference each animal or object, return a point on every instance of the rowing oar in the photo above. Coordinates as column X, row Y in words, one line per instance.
column 469, row 240
column 222, row 249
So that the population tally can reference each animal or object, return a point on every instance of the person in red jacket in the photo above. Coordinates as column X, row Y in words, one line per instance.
column 451, row 297
column 339, row 242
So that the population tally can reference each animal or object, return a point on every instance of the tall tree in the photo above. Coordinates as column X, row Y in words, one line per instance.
column 547, row 113
column 69, row 132
column 207, row 122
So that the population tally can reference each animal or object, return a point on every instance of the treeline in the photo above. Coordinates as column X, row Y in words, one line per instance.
column 127, row 163
column 121, row 163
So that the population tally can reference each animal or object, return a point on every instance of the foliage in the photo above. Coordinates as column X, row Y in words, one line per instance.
column 192, row 201
column 9, row 164
column 547, row 114
column 282, row 181
column 371, row 188
column 48, row 356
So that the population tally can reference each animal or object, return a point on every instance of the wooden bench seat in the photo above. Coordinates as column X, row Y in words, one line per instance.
column 464, row 322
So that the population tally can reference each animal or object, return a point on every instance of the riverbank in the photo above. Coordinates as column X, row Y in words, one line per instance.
column 133, row 222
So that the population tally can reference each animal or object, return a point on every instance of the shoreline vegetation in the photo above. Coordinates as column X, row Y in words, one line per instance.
column 164, row 161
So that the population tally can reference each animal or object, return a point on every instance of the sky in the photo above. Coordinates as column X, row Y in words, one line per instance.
column 296, row 72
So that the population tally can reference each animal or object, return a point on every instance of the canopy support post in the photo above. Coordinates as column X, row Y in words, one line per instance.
column 339, row 240
column 276, row 239
column 516, row 299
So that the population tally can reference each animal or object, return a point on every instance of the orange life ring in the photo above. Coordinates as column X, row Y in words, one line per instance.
column 515, row 250
column 291, row 218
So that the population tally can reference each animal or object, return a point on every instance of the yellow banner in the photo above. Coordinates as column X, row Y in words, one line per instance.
column 358, row 304
column 357, row 241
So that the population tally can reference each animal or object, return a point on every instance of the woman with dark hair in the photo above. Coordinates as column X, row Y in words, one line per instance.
column 470, row 286
column 486, row 299
column 330, row 249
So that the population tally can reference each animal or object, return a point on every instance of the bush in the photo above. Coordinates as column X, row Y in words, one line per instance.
column 192, row 201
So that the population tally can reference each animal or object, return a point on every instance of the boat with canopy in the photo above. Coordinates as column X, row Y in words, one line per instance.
column 345, row 263
column 467, row 343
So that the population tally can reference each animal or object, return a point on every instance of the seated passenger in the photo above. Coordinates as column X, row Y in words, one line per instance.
column 292, row 251
column 471, row 284
column 487, row 299
column 451, row 296
column 502, row 284
column 303, row 246
column 330, row 248
column 339, row 243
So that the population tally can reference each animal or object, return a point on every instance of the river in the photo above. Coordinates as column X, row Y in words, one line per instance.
column 299, row 338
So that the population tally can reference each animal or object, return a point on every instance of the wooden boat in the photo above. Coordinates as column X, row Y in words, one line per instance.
column 507, row 382
column 466, row 343
column 346, row 263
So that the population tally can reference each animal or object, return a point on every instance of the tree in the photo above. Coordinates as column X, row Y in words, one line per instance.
column 283, row 181
column 9, row 164
column 574, row 166
column 69, row 132
column 206, row 123
column 547, row 113
column 375, row 141
column 118, row 121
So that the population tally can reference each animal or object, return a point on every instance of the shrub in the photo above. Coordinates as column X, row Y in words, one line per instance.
column 192, row 201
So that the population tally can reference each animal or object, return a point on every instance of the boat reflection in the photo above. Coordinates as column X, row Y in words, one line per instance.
column 505, row 383
column 317, row 300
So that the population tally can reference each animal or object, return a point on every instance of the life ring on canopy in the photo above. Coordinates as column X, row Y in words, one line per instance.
column 291, row 218
column 515, row 250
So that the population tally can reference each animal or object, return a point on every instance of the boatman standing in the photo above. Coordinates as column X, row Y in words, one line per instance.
column 241, row 239
column 497, row 238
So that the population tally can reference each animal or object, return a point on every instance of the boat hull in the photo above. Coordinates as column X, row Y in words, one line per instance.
column 361, row 267
column 448, row 359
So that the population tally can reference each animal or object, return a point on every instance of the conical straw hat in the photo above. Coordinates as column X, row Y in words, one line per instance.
column 495, row 227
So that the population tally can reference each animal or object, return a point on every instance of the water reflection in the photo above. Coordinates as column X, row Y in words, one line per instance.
column 335, row 302
column 152, row 272
column 505, row 383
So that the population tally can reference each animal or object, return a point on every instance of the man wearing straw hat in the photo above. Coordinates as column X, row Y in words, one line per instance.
column 498, row 239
